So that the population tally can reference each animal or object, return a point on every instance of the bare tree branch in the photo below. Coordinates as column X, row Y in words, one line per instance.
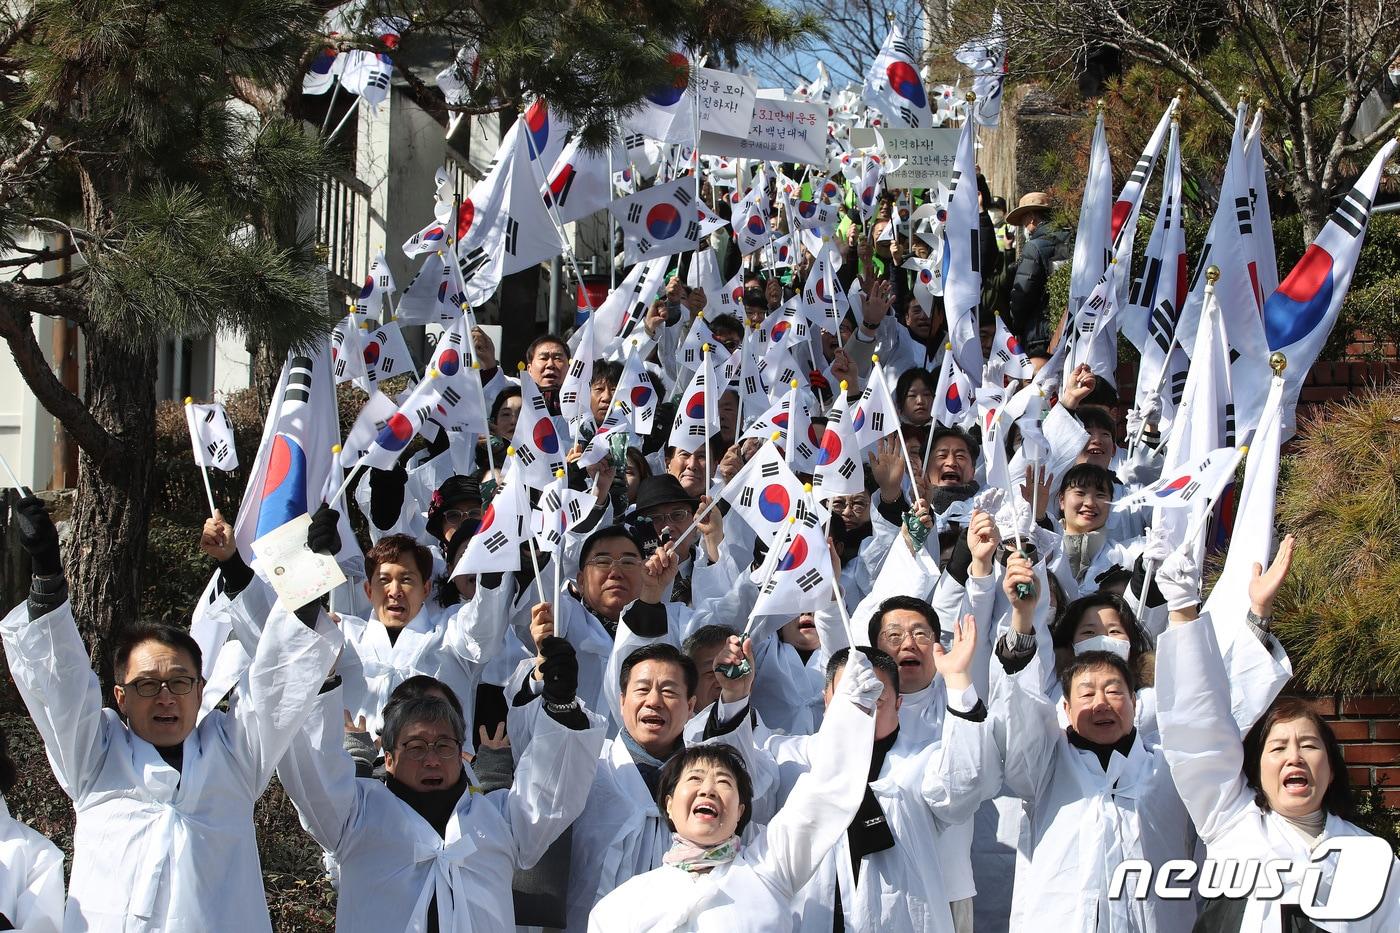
column 16, row 328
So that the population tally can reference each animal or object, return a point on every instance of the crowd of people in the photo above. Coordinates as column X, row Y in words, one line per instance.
column 1010, row 694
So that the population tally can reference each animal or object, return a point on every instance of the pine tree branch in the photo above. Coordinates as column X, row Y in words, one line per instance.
column 16, row 303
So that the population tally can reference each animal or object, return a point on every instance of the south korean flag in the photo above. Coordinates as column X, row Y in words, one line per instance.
column 211, row 435
column 796, row 576
column 659, row 221
column 560, row 509
column 505, row 526
column 838, row 469
column 539, row 448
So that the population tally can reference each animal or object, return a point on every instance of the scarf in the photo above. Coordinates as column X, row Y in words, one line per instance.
column 687, row 856
column 1081, row 550
column 944, row 496
column 870, row 832
column 435, row 806
column 1123, row 746
column 648, row 765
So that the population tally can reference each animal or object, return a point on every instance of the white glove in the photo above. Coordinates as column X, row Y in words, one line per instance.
column 1133, row 422
column 1156, row 548
column 989, row 499
column 859, row 683
column 1179, row 579
column 1142, row 466
column 1151, row 408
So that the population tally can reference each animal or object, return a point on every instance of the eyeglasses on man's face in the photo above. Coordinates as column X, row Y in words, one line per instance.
column 150, row 686
column 443, row 749
column 605, row 563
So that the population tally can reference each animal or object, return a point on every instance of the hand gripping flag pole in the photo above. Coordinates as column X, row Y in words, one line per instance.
column 735, row 671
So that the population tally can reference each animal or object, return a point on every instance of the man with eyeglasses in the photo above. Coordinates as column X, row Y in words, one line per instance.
column 424, row 850
column 907, row 628
column 164, row 798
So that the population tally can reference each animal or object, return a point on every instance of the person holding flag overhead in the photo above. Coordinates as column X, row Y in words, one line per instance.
column 164, row 798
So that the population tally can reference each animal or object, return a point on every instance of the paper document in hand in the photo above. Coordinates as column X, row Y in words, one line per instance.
column 297, row 573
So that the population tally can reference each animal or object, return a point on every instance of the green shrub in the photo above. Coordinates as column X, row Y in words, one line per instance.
column 1341, row 498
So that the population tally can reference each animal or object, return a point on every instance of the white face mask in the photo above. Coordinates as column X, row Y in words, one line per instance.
column 1118, row 646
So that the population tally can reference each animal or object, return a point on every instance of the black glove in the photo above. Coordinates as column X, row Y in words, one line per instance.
column 323, row 536
column 559, row 671
column 386, row 491
column 38, row 536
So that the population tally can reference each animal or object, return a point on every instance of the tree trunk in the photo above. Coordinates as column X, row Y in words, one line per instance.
column 107, row 549
column 1312, row 205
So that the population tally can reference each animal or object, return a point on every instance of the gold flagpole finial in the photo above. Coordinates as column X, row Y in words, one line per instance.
column 1278, row 363
column 1213, row 274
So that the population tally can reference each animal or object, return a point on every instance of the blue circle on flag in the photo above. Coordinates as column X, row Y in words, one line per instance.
column 663, row 221
column 904, row 81
column 773, row 503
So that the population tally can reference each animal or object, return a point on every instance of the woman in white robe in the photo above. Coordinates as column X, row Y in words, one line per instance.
column 1280, row 794
column 709, row 883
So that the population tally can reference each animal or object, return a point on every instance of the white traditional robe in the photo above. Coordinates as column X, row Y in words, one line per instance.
column 156, row 849
column 392, row 861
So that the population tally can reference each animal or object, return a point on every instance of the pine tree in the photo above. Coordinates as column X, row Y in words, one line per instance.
column 123, row 144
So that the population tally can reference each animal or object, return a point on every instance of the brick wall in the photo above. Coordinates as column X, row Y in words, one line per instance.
column 1335, row 382
column 1369, row 731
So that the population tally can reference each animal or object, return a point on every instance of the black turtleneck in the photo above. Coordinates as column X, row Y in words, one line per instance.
column 435, row 806
column 1123, row 746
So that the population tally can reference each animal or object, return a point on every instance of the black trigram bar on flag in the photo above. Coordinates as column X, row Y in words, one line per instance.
column 746, row 497
column 847, row 468
column 451, row 396
column 568, row 397
column 1352, row 213
column 692, row 231
column 1244, row 215
column 877, row 421
column 643, row 245
column 526, row 456
column 299, row 380
column 1139, row 174
column 697, row 430
column 634, row 213
column 910, row 118
column 512, row 234
column 810, row 580
column 217, row 450
column 471, row 263
column 496, row 541
column 537, row 402
column 769, row 470
column 683, row 197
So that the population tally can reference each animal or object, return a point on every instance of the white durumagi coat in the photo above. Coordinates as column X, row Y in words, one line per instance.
column 392, row 861
column 454, row 645
column 1085, row 820
column 158, row 850
column 923, row 790
column 31, row 877
column 1201, row 742
column 755, row 892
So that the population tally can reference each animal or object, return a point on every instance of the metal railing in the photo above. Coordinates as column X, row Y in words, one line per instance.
column 342, row 228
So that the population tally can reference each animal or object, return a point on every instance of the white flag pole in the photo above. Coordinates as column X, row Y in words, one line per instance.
column 558, row 554
column 14, row 480
column 705, row 405
column 194, row 443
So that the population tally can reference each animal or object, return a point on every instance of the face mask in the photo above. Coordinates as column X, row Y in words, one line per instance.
column 1117, row 646
column 1394, row 74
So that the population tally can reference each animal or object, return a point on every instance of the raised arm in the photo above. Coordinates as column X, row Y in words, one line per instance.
column 293, row 657
column 967, row 768
column 825, row 799
column 49, row 662
column 319, row 775
column 555, row 772
column 1025, row 725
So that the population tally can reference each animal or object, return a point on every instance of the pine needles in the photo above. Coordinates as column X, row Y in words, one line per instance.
column 1339, row 611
